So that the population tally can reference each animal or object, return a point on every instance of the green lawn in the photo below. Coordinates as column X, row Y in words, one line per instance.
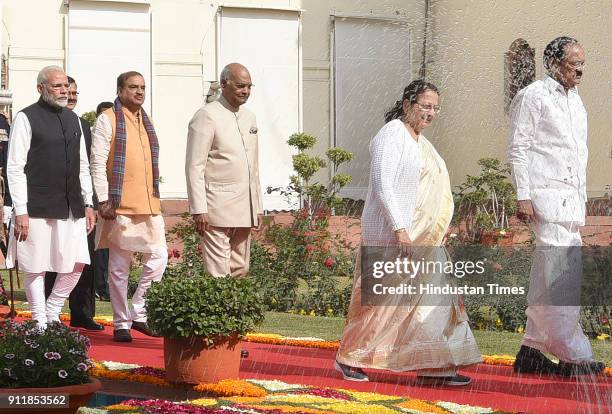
column 490, row 342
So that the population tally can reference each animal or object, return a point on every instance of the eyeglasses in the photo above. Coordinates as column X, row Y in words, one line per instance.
column 576, row 65
column 73, row 94
column 427, row 108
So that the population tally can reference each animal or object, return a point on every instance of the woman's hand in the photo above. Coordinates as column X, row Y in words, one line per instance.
column 401, row 235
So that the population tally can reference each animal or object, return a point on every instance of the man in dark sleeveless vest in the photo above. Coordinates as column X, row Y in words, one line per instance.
column 82, row 300
column 48, row 173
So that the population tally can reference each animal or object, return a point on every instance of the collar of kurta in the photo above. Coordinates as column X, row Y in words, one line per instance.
column 553, row 84
column 48, row 107
column 227, row 105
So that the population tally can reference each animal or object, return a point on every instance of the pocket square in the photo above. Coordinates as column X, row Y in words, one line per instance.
column 253, row 130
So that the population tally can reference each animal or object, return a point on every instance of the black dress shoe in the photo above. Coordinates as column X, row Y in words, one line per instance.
column 572, row 369
column 532, row 361
column 142, row 327
column 122, row 335
column 88, row 324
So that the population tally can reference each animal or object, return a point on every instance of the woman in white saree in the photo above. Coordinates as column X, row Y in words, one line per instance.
column 409, row 204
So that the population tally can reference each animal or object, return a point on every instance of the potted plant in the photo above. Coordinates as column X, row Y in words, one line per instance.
column 483, row 204
column 202, row 320
column 47, row 361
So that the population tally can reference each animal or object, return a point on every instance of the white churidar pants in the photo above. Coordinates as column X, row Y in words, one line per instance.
column 555, row 329
column 48, row 311
column 119, row 261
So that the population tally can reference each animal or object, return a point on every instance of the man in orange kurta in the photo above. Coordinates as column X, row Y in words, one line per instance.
column 124, row 161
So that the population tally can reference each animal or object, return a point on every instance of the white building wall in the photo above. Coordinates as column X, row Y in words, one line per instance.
column 184, row 60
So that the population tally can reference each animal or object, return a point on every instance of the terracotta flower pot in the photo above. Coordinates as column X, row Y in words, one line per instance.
column 79, row 397
column 192, row 361
column 5, row 311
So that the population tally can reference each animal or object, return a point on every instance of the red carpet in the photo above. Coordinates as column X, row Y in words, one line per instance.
column 492, row 386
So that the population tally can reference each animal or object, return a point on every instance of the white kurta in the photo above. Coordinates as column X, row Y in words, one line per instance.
column 548, row 150
column 394, row 178
column 548, row 154
column 52, row 245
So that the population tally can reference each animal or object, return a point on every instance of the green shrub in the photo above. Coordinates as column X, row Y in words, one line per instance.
column 485, row 201
column 203, row 306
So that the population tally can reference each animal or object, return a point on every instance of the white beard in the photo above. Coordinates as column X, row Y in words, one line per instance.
column 51, row 100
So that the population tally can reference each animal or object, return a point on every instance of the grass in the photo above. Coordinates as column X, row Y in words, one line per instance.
column 330, row 328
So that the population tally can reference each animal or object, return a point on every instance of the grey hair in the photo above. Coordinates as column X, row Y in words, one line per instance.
column 42, row 75
column 225, row 73
column 556, row 50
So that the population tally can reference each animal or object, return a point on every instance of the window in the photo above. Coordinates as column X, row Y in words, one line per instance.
column 519, row 69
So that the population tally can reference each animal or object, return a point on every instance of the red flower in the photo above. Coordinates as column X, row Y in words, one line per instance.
column 329, row 262
column 176, row 254
column 603, row 320
column 310, row 247
column 169, row 254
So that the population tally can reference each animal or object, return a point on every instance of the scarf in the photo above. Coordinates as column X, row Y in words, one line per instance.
column 118, row 171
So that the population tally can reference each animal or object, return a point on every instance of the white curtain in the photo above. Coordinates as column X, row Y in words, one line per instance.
column 105, row 40
column 267, row 43
column 371, row 68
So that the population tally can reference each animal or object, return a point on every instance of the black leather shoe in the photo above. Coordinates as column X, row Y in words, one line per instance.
column 570, row 369
column 89, row 324
column 122, row 335
column 532, row 361
column 142, row 327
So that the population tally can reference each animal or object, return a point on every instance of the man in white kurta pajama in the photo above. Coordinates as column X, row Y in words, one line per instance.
column 548, row 154
column 48, row 174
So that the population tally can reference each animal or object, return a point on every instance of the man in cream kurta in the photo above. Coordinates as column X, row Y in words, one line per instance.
column 548, row 154
column 223, row 175
column 124, row 163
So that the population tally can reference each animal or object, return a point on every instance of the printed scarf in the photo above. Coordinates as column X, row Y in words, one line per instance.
column 118, row 171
